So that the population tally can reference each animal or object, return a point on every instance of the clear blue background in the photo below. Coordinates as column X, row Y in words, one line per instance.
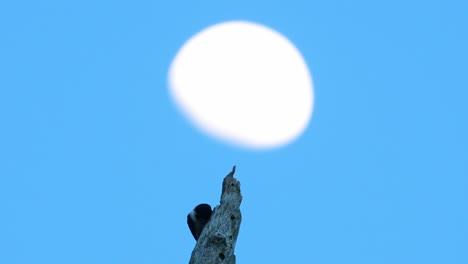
column 98, row 166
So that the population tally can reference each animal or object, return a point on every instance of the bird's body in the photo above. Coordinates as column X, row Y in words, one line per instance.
column 198, row 218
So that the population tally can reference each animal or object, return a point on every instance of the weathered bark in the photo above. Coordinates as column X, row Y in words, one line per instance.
column 218, row 239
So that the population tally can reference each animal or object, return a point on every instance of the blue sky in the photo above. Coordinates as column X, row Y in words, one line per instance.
column 98, row 166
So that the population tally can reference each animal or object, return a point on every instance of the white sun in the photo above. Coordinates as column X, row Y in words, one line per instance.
column 243, row 83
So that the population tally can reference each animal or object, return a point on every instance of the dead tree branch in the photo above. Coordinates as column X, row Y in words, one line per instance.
column 218, row 239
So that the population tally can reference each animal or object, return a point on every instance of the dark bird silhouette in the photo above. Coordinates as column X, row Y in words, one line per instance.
column 198, row 218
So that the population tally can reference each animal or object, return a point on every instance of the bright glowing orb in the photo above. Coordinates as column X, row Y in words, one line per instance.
column 243, row 83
